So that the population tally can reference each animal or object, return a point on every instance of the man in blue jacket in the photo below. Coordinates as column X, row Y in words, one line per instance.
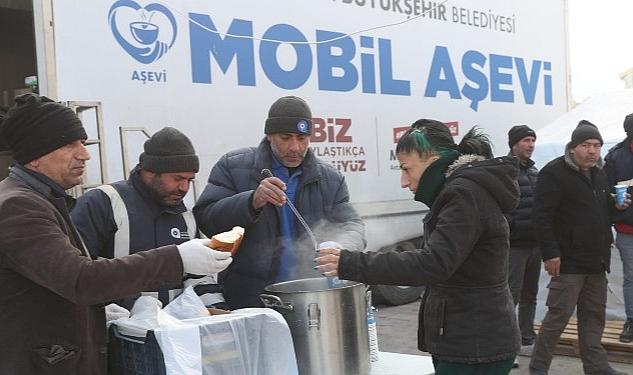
column 276, row 247
column 619, row 168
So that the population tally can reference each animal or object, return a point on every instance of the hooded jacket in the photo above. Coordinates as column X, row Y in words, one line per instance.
column 467, row 315
column 572, row 216
column 322, row 199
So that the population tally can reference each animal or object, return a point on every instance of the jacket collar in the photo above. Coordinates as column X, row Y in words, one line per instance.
column 571, row 162
column 41, row 184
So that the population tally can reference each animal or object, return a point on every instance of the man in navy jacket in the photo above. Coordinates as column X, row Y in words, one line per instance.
column 276, row 247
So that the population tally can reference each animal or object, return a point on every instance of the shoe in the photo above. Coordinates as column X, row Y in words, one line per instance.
column 526, row 350
column 516, row 362
column 627, row 331
column 612, row 371
column 535, row 371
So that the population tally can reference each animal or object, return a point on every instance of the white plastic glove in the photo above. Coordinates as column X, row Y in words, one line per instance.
column 114, row 312
column 199, row 259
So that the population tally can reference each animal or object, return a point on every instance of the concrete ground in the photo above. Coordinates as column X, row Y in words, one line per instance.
column 397, row 332
column 397, row 325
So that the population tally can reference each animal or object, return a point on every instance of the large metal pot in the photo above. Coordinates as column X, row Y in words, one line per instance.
column 328, row 325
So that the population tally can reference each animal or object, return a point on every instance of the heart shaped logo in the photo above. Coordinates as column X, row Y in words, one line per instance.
column 145, row 33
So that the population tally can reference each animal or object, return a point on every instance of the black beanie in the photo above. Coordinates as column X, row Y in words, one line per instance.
column 169, row 151
column 289, row 114
column 585, row 130
column 518, row 132
column 37, row 125
column 628, row 125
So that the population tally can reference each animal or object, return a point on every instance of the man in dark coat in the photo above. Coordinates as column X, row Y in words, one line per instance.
column 619, row 168
column 146, row 211
column 573, row 225
column 52, row 291
column 276, row 247
column 525, row 257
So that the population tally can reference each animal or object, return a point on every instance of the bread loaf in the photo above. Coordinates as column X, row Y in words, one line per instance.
column 228, row 241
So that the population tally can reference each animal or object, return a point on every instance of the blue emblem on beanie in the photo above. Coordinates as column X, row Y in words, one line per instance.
column 302, row 126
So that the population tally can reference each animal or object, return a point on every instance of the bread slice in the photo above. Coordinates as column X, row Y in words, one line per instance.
column 228, row 241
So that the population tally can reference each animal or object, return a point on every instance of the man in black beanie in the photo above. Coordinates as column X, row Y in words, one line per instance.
column 276, row 247
column 52, row 291
column 525, row 256
column 619, row 168
column 146, row 210
column 571, row 216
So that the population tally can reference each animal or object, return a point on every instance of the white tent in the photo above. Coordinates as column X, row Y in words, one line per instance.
column 607, row 111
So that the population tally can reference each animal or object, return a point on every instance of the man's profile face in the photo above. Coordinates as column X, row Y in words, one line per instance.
column 170, row 188
column 524, row 148
column 64, row 165
column 289, row 148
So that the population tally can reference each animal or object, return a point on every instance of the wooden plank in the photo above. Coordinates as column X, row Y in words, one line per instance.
column 617, row 351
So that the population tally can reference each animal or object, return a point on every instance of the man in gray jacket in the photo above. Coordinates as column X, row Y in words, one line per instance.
column 276, row 247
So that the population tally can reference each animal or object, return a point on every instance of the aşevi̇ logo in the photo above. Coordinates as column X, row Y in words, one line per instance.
column 146, row 33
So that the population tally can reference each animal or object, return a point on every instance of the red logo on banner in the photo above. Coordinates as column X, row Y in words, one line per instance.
column 453, row 126
column 398, row 132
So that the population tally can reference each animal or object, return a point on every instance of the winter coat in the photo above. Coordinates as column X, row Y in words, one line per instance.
column 322, row 199
column 521, row 227
column 619, row 167
column 467, row 315
column 52, row 292
column 572, row 216
column 151, row 225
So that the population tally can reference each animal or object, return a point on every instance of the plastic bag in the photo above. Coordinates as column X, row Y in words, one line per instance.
column 187, row 306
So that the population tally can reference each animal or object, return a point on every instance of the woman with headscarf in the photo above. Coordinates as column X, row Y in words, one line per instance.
column 467, row 319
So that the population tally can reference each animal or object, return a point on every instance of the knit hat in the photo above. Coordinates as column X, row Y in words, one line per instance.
column 628, row 125
column 37, row 125
column 518, row 132
column 169, row 151
column 289, row 114
column 585, row 130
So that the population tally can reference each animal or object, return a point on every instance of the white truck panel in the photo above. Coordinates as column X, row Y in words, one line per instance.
column 494, row 63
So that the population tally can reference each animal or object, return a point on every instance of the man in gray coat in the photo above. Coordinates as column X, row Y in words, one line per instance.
column 52, row 292
column 276, row 247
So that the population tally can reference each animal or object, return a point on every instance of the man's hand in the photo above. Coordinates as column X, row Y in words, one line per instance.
column 199, row 259
column 270, row 190
column 627, row 202
column 552, row 266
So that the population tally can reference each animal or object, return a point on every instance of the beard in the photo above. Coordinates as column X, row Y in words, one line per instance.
column 164, row 196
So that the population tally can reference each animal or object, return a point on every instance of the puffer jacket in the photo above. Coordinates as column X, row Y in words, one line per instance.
column 619, row 167
column 521, row 226
column 467, row 315
column 322, row 199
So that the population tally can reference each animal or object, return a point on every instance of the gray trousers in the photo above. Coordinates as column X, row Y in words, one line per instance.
column 589, row 294
column 523, row 275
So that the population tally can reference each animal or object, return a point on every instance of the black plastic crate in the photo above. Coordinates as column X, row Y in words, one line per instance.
column 133, row 356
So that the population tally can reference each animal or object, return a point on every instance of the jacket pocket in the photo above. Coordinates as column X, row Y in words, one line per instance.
column 56, row 356
column 434, row 322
